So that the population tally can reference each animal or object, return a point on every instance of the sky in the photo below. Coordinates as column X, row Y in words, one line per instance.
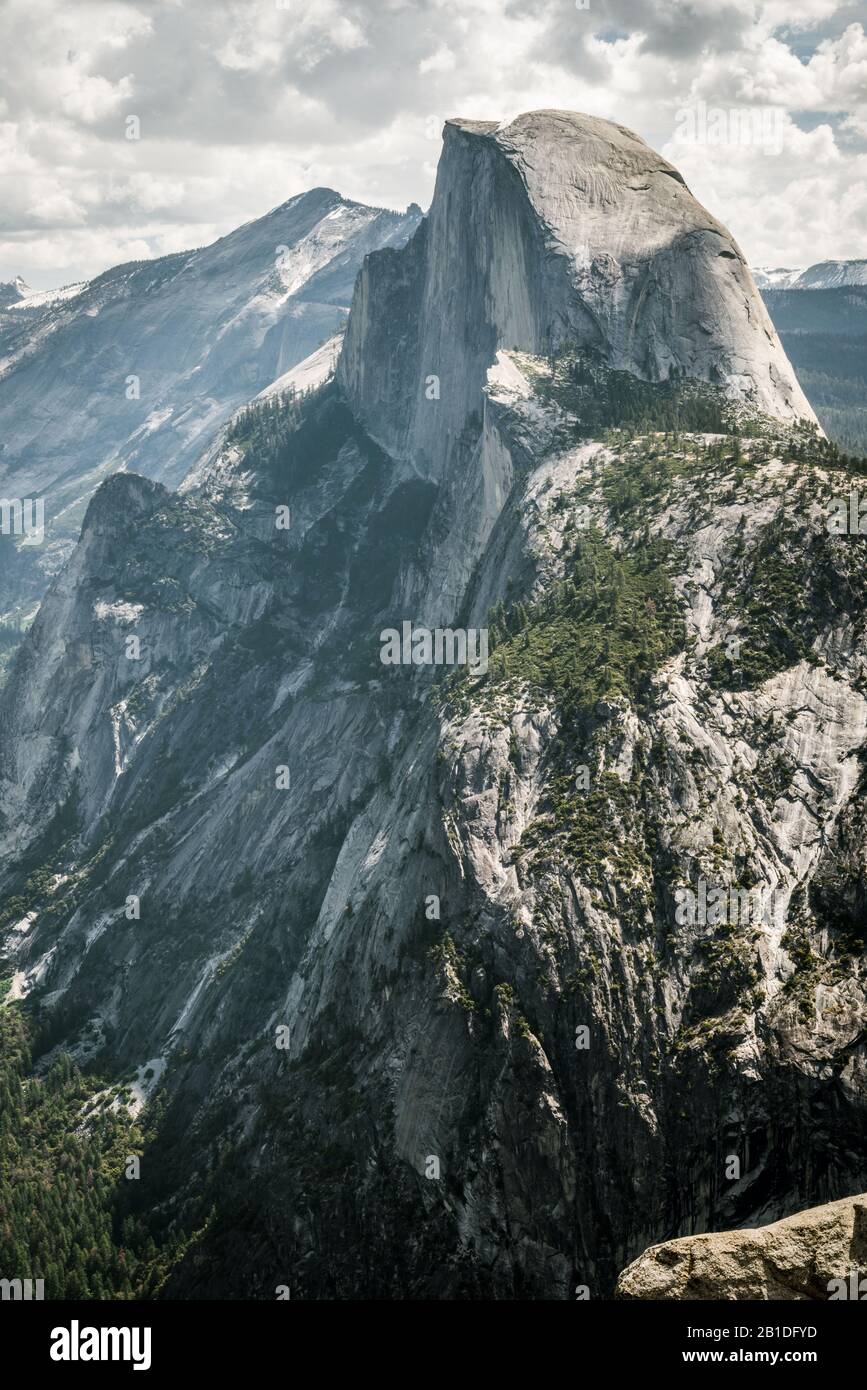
column 129, row 130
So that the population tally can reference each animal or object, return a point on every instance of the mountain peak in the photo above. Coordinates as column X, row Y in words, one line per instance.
column 12, row 291
column 123, row 501
column 832, row 274
column 552, row 123
column 556, row 228
column 824, row 275
column 319, row 194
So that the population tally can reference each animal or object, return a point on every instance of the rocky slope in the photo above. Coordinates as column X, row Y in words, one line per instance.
column 809, row 1256
column 141, row 368
column 392, row 956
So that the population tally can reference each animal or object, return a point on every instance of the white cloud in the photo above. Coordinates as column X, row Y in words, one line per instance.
column 244, row 102
column 804, row 204
column 443, row 60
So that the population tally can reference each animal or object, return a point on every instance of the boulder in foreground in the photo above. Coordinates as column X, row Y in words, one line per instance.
column 803, row 1257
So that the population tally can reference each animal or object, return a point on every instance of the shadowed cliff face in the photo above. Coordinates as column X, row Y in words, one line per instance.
column 397, row 953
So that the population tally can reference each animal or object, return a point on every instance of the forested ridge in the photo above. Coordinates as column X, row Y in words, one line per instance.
column 64, row 1155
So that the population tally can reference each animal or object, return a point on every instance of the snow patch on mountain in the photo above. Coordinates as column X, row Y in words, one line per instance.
column 40, row 299
column 309, row 374
column 824, row 275
column 777, row 279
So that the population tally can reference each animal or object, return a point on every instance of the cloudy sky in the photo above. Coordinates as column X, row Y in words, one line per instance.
column 241, row 103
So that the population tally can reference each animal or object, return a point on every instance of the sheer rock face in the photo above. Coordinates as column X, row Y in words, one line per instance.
column 414, row 1034
column 556, row 228
column 453, row 1036
column 811, row 1255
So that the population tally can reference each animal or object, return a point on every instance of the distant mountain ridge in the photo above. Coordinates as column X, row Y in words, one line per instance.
column 824, row 275
column 13, row 291
column 141, row 367
column 824, row 333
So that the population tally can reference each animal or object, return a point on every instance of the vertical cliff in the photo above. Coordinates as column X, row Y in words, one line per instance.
column 411, row 985
column 555, row 229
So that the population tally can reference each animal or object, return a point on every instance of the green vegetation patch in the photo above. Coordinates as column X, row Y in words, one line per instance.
column 66, row 1194
column 598, row 633
column 580, row 383
column 591, row 831
column 58, row 1173
column 780, row 594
